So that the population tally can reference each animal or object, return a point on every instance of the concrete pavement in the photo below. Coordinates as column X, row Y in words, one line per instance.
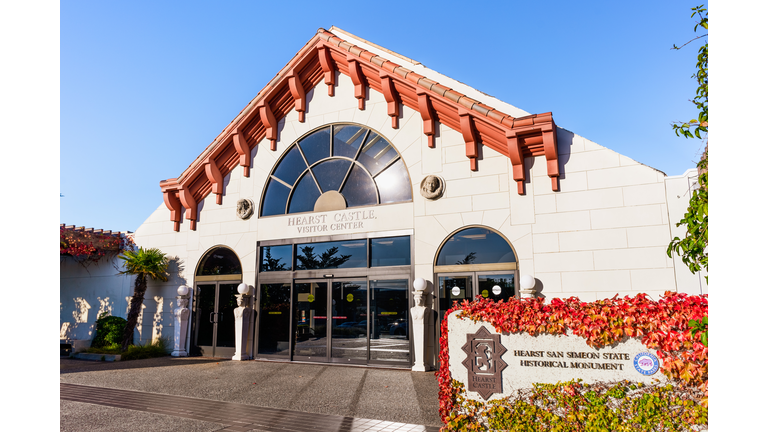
column 391, row 395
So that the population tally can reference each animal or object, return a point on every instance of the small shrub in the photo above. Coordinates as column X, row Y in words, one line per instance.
column 109, row 331
column 149, row 350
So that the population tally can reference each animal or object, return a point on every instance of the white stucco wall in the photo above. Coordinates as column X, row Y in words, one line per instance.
column 604, row 233
column 678, row 195
column 87, row 292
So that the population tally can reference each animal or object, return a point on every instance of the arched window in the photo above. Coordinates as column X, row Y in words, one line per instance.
column 219, row 261
column 477, row 247
column 333, row 168
column 475, row 261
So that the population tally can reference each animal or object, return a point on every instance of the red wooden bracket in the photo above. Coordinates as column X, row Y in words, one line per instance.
column 189, row 203
column 299, row 96
column 428, row 116
column 358, row 79
column 243, row 149
column 269, row 122
column 549, row 134
column 392, row 97
column 328, row 70
column 214, row 176
column 516, row 156
column 469, row 133
column 171, row 199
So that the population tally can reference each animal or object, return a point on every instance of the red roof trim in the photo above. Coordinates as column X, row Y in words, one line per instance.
column 325, row 53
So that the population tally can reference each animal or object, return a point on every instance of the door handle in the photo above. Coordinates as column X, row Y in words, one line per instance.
column 210, row 318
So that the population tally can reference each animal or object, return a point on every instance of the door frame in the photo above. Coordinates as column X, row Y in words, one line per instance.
column 473, row 271
column 217, row 281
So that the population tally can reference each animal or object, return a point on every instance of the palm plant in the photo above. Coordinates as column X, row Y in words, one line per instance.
column 144, row 263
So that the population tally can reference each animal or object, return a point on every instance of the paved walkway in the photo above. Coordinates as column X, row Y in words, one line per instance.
column 219, row 395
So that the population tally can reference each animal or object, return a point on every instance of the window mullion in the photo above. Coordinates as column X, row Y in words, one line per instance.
column 352, row 165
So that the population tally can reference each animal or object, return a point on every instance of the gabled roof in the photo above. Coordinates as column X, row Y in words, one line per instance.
column 375, row 68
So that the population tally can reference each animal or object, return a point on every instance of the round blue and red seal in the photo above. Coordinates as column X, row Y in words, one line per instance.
column 646, row 363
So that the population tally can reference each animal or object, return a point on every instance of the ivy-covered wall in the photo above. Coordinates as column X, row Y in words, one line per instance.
column 664, row 327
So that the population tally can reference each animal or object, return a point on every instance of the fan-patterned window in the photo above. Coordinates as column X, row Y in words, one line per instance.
column 336, row 167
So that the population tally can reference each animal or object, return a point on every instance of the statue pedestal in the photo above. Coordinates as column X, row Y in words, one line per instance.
column 419, row 342
column 242, row 329
column 180, row 321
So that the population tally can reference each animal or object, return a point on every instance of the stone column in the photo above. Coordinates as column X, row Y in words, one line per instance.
column 418, row 313
column 180, row 322
column 242, row 327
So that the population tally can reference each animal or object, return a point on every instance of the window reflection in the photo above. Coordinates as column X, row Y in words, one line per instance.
column 219, row 261
column 390, row 251
column 276, row 258
column 343, row 254
column 377, row 174
column 475, row 246
column 304, row 195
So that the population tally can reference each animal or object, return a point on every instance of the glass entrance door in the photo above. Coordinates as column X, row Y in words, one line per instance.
column 346, row 321
column 215, row 319
column 349, row 321
column 498, row 285
column 310, row 321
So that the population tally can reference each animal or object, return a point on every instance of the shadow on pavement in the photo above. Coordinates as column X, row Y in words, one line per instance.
column 68, row 365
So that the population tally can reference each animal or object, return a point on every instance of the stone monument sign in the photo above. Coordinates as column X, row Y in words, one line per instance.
column 493, row 365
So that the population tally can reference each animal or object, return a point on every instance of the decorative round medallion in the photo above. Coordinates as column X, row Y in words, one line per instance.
column 432, row 187
column 244, row 208
column 646, row 363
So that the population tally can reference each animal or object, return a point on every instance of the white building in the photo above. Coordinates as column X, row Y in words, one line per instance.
column 366, row 170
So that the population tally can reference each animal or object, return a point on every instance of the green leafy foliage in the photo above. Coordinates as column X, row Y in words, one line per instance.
column 693, row 247
column 109, row 331
column 662, row 326
column 143, row 263
column 573, row 406
column 702, row 328
column 152, row 349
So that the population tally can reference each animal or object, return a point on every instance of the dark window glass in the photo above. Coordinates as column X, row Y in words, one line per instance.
column 291, row 166
column 349, row 300
column 275, row 199
column 475, row 246
column 206, row 307
column 496, row 287
column 377, row 174
column 310, row 320
column 225, row 334
column 304, row 195
column 341, row 254
column 389, row 321
column 347, row 139
column 330, row 173
column 360, row 190
column 390, row 251
column 317, row 145
column 394, row 184
column 275, row 319
column 276, row 258
column 219, row 261
column 376, row 153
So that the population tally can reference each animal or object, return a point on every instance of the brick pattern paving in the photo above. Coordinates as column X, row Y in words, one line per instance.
column 234, row 416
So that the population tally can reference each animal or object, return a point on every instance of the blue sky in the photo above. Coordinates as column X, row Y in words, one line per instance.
column 146, row 86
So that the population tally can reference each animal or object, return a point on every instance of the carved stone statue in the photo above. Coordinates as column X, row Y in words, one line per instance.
column 244, row 208
column 242, row 326
column 417, row 319
column 181, row 318
column 432, row 187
